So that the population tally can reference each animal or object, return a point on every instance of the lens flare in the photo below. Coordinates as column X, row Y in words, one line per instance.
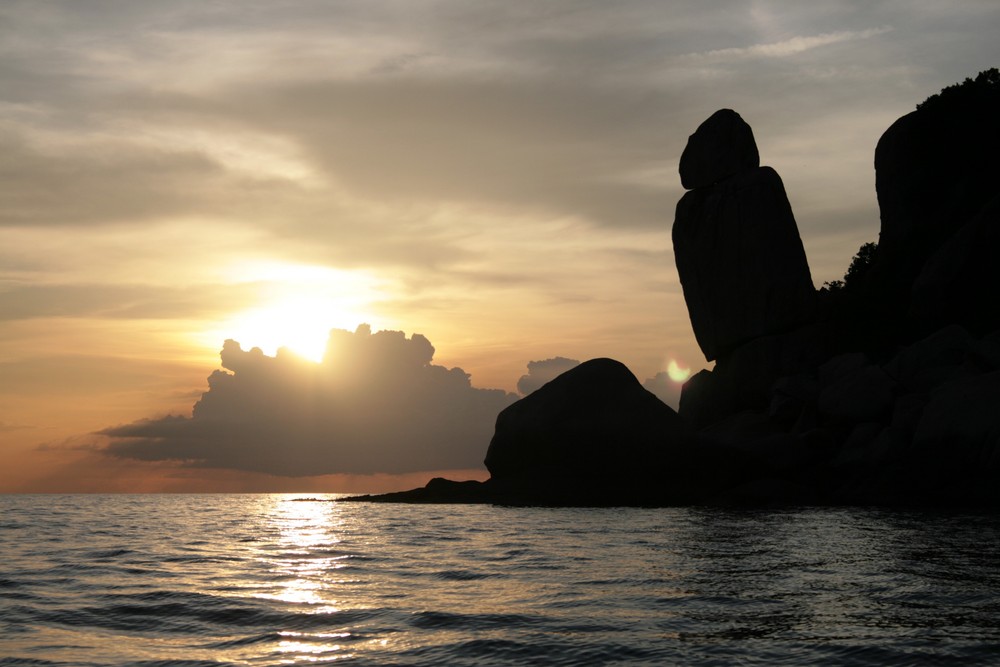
column 676, row 373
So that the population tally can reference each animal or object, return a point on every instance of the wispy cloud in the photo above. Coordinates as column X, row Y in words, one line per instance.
column 788, row 47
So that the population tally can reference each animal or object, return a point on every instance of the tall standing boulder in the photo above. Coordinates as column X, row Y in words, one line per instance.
column 739, row 255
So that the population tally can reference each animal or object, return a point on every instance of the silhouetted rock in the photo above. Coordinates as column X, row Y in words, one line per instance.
column 956, row 445
column 858, row 395
column 963, row 413
column 931, row 361
column 594, row 424
column 721, row 147
column 793, row 400
column 741, row 261
column 745, row 378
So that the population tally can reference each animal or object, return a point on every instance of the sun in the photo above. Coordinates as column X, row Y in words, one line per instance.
column 296, row 306
column 300, row 324
column 676, row 373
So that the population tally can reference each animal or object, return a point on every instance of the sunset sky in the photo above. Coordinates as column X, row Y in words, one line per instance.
column 497, row 177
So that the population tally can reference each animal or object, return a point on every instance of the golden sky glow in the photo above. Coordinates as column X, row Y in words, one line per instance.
column 297, row 306
column 499, row 178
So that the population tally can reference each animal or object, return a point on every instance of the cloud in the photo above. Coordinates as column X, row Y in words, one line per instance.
column 540, row 372
column 26, row 301
column 788, row 47
column 376, row 404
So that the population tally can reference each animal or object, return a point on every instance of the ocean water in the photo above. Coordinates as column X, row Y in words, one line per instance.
column 198, row 580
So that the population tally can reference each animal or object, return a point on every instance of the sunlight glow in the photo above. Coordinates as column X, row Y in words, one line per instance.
column 300, row 323
column 297, row 307
column 676, row 373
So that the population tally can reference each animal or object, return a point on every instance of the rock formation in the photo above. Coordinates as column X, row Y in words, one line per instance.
column 885, row 391
column 738, row 251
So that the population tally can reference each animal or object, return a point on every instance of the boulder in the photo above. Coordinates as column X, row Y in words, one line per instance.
column 953, row 280
column 698, row 404
column 721, row 147
column 962, row 415
column 863, row 394
column 955, row 452
column 857, row 444
column 906, row 412
column 592, row 424
column 793, row 400
column 741, row 262
column 932, row 361
column 746, row 377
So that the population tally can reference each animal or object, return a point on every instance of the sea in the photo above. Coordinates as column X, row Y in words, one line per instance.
column 211, row 580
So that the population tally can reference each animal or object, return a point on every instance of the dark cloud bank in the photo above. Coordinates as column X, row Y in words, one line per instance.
column 376, row 403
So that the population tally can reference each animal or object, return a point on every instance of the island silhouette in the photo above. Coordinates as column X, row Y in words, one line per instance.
column 882, row 388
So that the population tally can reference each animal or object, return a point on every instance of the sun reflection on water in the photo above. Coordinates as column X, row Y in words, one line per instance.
column 307, row 648
column 303, row 560
column 305, row 552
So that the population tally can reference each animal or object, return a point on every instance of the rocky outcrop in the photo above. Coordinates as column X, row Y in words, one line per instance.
column 737, row 247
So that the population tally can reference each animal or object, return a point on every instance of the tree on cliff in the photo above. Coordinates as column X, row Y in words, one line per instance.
column 985, row 86
column 856, row 272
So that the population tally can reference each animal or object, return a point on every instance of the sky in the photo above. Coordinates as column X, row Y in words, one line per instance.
column 472, row 196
